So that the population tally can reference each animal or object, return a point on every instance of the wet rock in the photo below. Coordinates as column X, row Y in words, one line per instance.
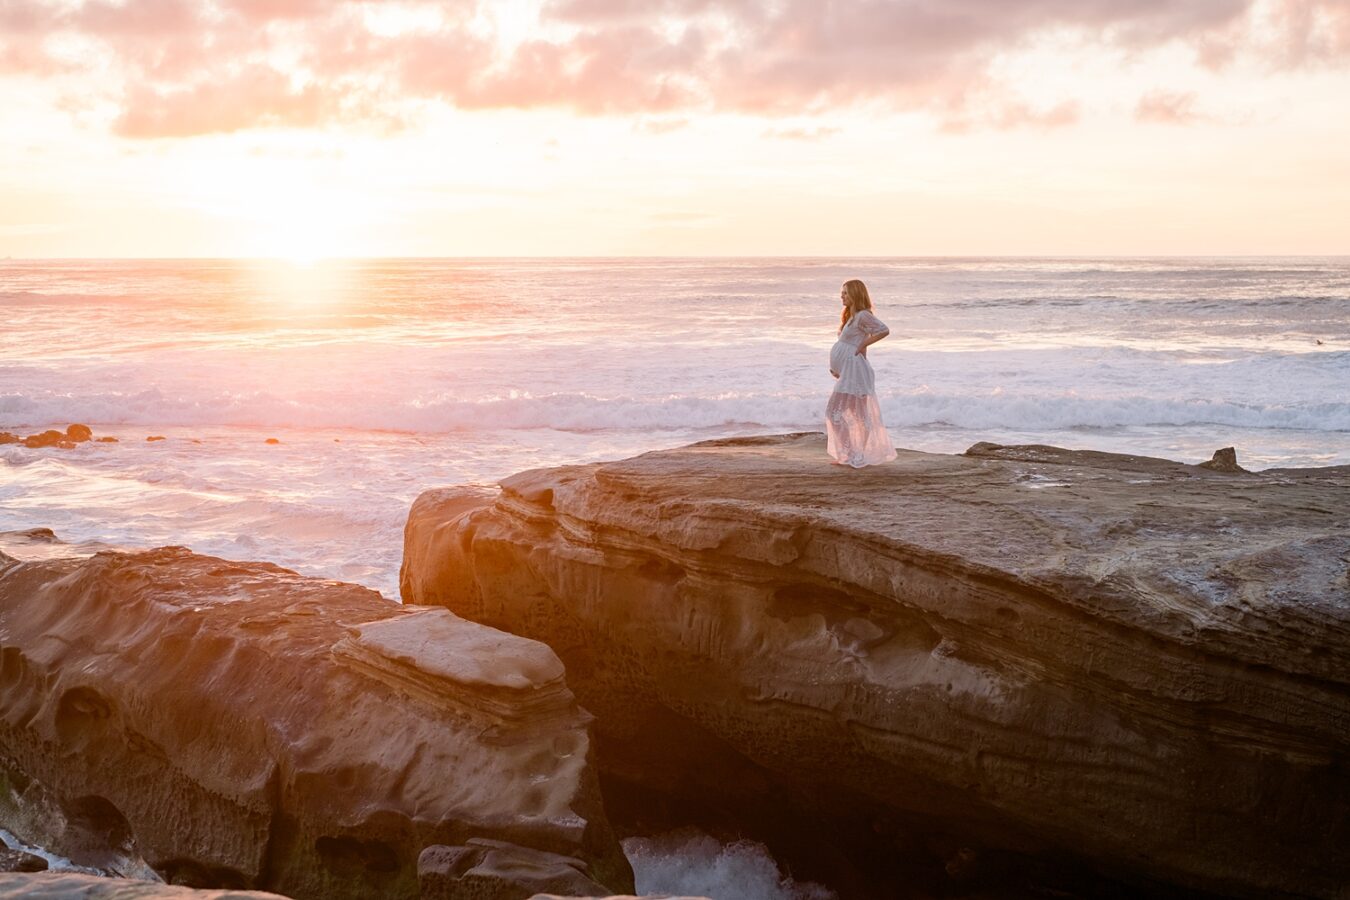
column 232, row 724
column 1145, row 668
column 79, row 433
column 496, row 870
column 8, row 437
column 1224, row 460
column 106, row 440
column 34, row 535
column 49, row 438
column 155, row 437
column 271, row 441
column 78, row 886
column 20, row 861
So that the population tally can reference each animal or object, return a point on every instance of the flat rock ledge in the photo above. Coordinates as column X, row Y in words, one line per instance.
column 165, row 715
column 1140, row 664
column 77, row 886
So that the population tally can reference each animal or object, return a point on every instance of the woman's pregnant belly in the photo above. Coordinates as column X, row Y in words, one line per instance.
column 854, row 374
column 839, row 355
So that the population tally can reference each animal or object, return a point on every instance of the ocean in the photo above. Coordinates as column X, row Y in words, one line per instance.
column 380, row 379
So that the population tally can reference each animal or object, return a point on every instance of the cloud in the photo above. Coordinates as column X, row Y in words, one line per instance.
column 1310, row 32
column 1167, row 108
column 660, row 125
column 817, row 133
column 184, row 67
column 254, row 97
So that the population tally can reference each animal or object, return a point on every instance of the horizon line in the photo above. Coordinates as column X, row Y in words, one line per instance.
column 306, row 262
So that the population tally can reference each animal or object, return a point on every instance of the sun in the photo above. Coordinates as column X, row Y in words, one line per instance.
column 289, row 209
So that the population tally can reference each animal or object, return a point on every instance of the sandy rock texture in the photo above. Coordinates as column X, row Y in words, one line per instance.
column 75, row 886
column 496, row 870
column 1139, row 664
column 224, row 724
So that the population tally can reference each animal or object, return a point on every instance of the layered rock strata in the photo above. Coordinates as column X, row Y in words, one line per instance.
column 496, row 870
column 226, row 724
column 1125, row 660
column 79, row 886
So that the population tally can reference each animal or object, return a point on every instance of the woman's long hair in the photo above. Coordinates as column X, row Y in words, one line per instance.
column 858, row 300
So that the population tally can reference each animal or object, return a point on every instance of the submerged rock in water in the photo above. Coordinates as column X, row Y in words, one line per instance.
column 237, row 725
column 49, row 438
column 1069, row 655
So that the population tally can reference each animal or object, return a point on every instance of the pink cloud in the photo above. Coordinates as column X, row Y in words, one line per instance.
column 1311, row 31
column 192, row 67
column 1167, row 108
column 801, row 134
column 255, row 97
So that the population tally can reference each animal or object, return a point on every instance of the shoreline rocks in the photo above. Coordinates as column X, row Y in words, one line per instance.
column 1128, row 663
column 223, row 724
column 73, row 436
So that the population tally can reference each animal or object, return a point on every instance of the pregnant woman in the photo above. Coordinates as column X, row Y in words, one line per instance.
column 854, row 433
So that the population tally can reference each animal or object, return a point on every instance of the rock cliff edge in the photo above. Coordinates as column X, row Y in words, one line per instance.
column 1133, row 662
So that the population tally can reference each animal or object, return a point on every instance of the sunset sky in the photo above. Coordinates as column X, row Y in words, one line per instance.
column 311, row 128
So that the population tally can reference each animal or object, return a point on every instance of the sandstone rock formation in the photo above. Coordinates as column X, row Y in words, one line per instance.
column 237, row 725
column 1224, row 460
column 20, row 861
column 1123, row 660
column 497, row 870
column 77, row 886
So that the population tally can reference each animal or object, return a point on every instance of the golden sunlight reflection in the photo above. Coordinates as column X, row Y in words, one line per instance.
column 299, row 281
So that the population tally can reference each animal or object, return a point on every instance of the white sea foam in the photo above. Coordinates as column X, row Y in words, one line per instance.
column 693, row 864
column 1028, row 409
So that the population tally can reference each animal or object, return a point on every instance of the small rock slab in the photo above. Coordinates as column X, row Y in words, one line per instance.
column 497, row 870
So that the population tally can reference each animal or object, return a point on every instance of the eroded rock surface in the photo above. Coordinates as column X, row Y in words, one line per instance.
column 237, row 725
column 76, row 886
column 1130, row 661
column 497, row 870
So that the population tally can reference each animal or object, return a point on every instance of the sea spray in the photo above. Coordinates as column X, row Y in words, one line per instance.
column 691, row 863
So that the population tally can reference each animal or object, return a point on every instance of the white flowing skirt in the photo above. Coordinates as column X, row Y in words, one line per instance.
column 854, row 433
